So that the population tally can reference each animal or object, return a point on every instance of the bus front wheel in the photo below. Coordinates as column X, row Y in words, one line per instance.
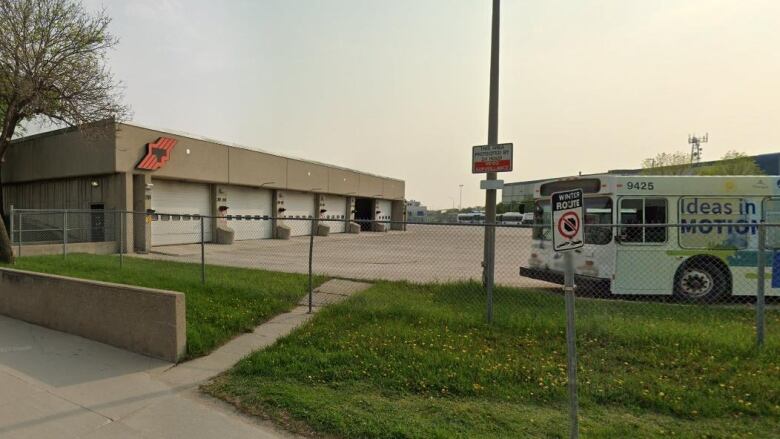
column 701, row 282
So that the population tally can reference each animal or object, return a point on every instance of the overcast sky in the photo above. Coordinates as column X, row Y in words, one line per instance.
column 400, row 88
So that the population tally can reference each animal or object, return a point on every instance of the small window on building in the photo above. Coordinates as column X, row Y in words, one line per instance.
column 186, row 217
column 165, row 217
column 175, row 217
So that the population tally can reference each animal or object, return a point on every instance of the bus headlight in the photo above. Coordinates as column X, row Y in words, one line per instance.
column 534, row 261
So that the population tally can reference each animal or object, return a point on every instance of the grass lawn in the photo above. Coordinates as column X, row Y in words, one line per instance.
column 233, row 300
column 404, row 360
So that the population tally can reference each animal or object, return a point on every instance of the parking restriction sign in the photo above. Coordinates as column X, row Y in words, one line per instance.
column 567, row 217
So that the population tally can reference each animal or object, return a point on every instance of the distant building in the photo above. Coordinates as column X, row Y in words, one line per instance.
column 416, row 212
column 518, row 192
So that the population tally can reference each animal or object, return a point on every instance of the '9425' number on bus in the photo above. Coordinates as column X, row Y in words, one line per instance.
column 640, row 185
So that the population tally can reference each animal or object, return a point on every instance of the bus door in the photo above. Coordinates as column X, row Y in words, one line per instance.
column 642, row 265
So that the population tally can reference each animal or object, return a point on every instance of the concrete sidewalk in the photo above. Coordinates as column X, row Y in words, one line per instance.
column 56, row 385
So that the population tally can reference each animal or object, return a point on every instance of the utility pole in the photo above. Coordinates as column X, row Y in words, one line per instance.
column 490, row 194
column 460, row 197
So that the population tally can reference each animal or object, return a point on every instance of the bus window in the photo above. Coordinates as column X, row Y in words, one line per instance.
column 542, row 221
column 643, row 211
column 631, row 213
column 655, row 213
column 598, row 210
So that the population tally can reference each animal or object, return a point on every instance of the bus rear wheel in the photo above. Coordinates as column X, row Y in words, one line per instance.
column 700, row 283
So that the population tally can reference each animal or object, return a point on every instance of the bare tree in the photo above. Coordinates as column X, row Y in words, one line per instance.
column 53, row 67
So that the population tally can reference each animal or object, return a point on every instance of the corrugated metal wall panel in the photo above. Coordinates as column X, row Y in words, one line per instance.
column 71, row 193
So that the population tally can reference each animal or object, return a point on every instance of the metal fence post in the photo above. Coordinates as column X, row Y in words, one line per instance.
column 490, row 267
column 121, row 238
column 202, row 252
column 11, row 227
column 571, row 342
column 65, row 233
column 761, row 262
column 311, row 254
column 19, row 253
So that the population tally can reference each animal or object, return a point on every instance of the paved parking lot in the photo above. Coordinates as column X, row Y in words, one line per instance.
column 423, row 253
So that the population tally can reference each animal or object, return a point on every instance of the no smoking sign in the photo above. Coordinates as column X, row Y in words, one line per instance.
column 567, row 211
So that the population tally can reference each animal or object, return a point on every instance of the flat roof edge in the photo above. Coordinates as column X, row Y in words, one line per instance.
column 248, row 148
column 58, row 131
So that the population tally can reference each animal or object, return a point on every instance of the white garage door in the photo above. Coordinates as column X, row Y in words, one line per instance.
column 335, row 213
column 178, row 207
column 249, row 211
column 383, row 209
column 298, row 205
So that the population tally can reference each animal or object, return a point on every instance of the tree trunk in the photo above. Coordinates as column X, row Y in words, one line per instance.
column 6, row 251
column 9, row 126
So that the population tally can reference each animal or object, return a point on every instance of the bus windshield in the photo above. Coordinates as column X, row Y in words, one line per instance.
column 598, row 210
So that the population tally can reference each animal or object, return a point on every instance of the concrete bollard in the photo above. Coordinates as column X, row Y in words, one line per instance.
column 225, row 235
column 353, row 228
column 282, row 231
column 322, row 230
column 379, row 227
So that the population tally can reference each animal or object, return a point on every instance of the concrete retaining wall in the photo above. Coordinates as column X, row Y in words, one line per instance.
column 95, row 248
column 143, row 320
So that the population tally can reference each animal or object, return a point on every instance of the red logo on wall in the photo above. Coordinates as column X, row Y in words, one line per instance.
column 157, row 154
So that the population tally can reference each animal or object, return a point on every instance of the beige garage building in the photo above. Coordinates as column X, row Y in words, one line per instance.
column 175, row 178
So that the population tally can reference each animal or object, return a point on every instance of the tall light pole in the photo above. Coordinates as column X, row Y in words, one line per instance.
column 460, row 197
column 490, row 194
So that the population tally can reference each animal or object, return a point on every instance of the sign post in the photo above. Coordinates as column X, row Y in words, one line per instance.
column 567, row 213
column 489, row 251
column 490, row 159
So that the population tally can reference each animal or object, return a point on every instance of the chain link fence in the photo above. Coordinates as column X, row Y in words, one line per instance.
column 685, row 304
column 660, row 267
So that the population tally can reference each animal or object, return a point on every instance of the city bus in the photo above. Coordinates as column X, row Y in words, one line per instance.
column 471, row 218
column 708, row 255
column 510, row 218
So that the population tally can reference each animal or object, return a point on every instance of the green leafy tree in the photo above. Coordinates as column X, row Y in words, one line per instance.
column 52, row 68
column 732, row 163
column 667, row 163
